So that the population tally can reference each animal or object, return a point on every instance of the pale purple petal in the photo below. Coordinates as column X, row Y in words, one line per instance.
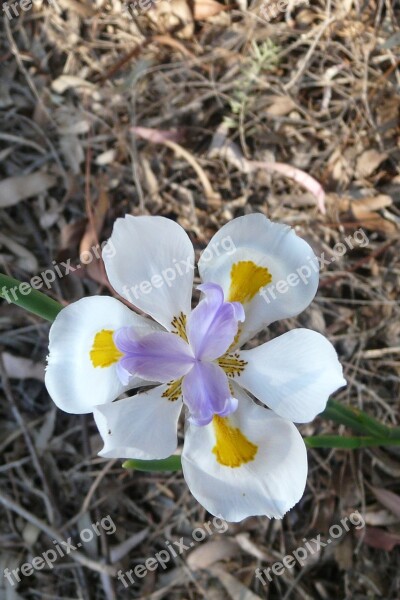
column 123, row 375
column 160, row 357
column 213, row 324
column 125, row 337
column 206, row 393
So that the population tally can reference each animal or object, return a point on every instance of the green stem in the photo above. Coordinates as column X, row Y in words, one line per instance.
column 23, row 295
column 336, row 441
column 173, row 463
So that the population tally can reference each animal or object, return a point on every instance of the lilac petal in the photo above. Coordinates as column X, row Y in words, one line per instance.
column 125, row 337
column 206, row 393
column 123, row 375
column 213, row 324
column 160, row 356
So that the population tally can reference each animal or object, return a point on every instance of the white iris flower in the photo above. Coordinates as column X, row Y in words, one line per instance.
column 239, row 458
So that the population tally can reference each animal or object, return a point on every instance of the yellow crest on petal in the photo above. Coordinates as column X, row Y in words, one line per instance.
column 246, row 279
column 232, row 448
column 179, row 326
column 174, row 390
column 104, row 352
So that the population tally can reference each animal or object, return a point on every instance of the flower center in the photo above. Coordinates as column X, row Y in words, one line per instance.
column 194, row 359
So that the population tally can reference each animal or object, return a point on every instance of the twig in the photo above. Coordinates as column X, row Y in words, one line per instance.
column 48, row 495
column 54, row 535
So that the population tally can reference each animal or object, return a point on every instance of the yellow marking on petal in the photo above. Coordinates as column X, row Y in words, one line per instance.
column 232, row 449
column 246, row 279
column 232, row 364
column 179, row 326
column 104, row 352
column 174, row 390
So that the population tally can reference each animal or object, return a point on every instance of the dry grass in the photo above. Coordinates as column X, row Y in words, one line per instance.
column 316, row 88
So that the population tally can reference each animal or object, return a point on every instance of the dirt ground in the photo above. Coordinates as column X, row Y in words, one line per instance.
column 164, row 109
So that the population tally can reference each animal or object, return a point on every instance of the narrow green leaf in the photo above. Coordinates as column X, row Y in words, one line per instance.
column 342, row 419
column 337, row 441
column 31, row 300
column 173, row 463
column 356, row 419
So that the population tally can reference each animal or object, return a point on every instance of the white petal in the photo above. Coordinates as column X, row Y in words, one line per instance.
column 150, row 262
column 73, row 382
column 290, row 261
column 270, row 484
column 144, row 426
column 294, row 374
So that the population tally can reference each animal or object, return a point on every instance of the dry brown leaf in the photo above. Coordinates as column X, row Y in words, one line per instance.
column 71, row 234
column 380, row 539
column 91, row 236
column 368, row 162
column 64, row 82
column 343, row 204
column 157, row 136
column 204, row 9
column 388, row 499
column 280, row 106
column 25, row 259
column 22, row 368
column 372, row 220
column 209, row 553
column 380, row 518
column 373, row 202
column 235, row 589
column 81, row 8
column 15, row 189
column 245, row 542
column 106, row 158
column 168, row 14
column 343, row 553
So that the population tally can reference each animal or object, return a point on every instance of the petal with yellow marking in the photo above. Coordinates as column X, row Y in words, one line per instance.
column 247, row 279
column 82, row 363
column 267, row 267
column 232, row 448
column 104, row 352
column 252, row 463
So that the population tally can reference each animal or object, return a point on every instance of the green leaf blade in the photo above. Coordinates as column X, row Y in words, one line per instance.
column 31, row 300
column 173, row 463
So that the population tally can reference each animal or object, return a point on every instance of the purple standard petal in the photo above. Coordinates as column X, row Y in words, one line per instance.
column 213, row 324
column 160, row 357
column 206, row 393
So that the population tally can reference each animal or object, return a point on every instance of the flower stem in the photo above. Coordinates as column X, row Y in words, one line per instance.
column 336, row 441
column 173, row 463
column 31, row 300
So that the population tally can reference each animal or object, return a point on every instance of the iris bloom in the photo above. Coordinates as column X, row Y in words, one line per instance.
column 239, row 458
